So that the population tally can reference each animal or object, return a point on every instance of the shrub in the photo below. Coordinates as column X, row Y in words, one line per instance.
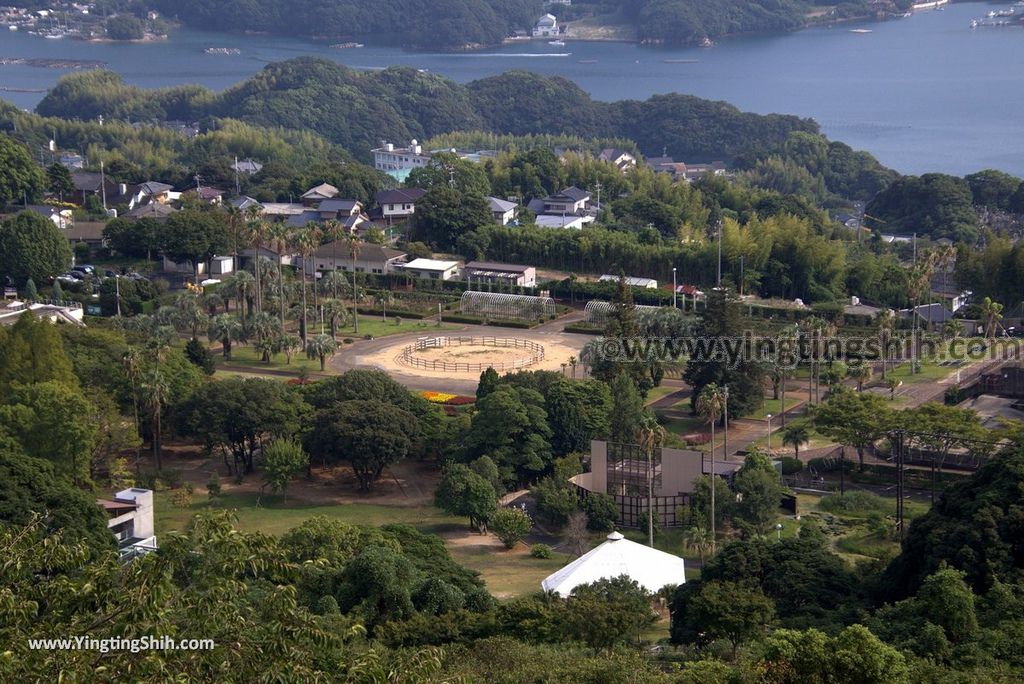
column 511, row 525
column 555, row 502
column 171, row 477
column 213, row 486
column 791, row 465
column 348, row 340
column 327, row 605
column 642, row 523
column 602, row 512
column 197, row 353
column 540, row 551
column 856, row 503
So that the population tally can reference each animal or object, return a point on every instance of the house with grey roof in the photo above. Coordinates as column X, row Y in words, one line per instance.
column 503, row 211
column 369, row 258
column 398, row 204
column 505, row 274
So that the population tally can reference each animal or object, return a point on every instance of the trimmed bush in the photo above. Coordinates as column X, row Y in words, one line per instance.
column 540, row 551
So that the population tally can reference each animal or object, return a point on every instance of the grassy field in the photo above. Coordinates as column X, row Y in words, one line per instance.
column 507, row 573
column 248, row 356
column 375, row 326
column 774, row 407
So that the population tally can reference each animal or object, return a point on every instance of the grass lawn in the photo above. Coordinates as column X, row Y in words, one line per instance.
column 657, row 393
column 246, row 355
column 930, row 372
column 507, row 573
column 375, row 326
column 774, row 407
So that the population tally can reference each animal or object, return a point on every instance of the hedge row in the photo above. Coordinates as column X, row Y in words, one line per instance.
column 398, row 313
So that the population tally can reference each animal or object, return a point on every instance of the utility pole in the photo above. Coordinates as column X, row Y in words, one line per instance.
column 673, row 287
column 650, row 500
column 238, row 188
column 103, row 187
column 597, row 186
column 725, row 414
column 741, row 275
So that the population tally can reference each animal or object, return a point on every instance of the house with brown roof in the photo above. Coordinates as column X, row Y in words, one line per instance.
column 369, row 258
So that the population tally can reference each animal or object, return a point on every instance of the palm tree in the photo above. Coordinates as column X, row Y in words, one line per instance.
column 256, row 231
column 794, row 435
column 893, row 383
column 156, row 389
column 282, row 236
column 992, row 312
column 860, row 372
column 289, row 344
column 226, row 329
column 353, row 247
column 236, row 220
column 885, row 320
column 131, row 361
column 335, row 313
column 189, row 314
column 699, row 539
column 572, row 364
column 333, row 230
column 243, row 288
column 320, row 347
column 266, row 346
column 953, row 328
column 711, row 405
column 306, row 241
column 652, row 436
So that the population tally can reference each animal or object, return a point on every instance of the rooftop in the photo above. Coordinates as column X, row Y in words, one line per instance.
column 431, row 264
column 495, row 266
column 399, row 195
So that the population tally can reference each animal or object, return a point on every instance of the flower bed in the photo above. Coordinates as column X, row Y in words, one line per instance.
column 447, row 398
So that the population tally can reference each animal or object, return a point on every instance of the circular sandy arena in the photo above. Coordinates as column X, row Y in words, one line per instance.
column 463, row 354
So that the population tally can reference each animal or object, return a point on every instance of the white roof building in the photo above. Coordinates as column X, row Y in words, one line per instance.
column 650, row 568
column 648, row 283
column 434, row 269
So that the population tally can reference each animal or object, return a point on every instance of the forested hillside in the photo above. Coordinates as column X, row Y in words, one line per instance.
column 357, row 109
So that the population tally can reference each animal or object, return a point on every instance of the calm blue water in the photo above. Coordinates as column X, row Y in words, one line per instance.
column 924, row 93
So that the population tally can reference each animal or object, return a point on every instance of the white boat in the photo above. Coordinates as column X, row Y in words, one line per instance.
column 559, row 43
column 860, row 30
column 12, row 27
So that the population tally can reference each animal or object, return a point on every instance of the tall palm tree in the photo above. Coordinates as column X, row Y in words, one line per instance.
column 189, row 314
column 243, row 287
column 226, row 329
column 289, row 344
column 265, row 328
column 333, row 230
column 306, row 241
column 572, row 364
column 885, row 321
column 992, row 312
column 699, row 539
column 953, row 328
column 256, row 231
column 132, row 361
column 236, row 221
column 711, row 405
column 156, row 389
column 353, row 247
column 282, row 236
column 652, row 436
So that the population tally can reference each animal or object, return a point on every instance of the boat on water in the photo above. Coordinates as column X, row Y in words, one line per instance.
column 586, row 61
column 679, row 61
column 860, row 30
column 222, row 51
column 930, row 4
column 559, row 43
column 707, row 42
column 346, row 46
column 12, row 27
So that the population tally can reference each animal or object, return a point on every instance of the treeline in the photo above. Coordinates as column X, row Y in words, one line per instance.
column 425, row 24
column 357, row 109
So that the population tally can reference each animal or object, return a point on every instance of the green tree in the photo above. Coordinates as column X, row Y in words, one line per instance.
column 283, row 460
column 465, row 493
column 125, row 27
column 227, row 330
column 761, row 493
column 241, row 416
column 511, row 525
column 133, row 238
column 31, row 247
column 32, row 352
column 445, row 214
column 31, row 293
column 510, row 426
column 855, row 419
column 729, row 610
column 369, row 434
column 796, row 434
column 59, row 180
column 627, row 410
column 194, row 236
column 607, row 612
column 21, row 179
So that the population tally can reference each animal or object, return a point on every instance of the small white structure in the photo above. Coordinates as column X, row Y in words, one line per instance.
column 130, row 520
column 433, row 269
column 547, row 27
column 646, row 283
column 650, row 568
column 503, row 211
column 561, row 221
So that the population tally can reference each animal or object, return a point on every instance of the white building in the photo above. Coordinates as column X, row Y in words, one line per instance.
column 653, row 570
column 547, row 27
column 369, row 258
column 476, row 272
column 398, row 204
column 648, row 283
column 399, row 161
column 559, row 221
column 130, row 515
column 504, row 212
column 432, row 269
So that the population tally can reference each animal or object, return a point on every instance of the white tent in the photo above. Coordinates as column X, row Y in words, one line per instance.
column 650, row 568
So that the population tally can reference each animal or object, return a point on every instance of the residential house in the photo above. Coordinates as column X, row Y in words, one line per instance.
column 247, row 167
column 314, row 196
column 397, row 162
column 560, row 221
column 646, row 283
column 150, row 192
column 546, row 27
column 504, row 212
column 208, row 194
column 244, row 202
column 931, row 316
column 506, row 274
column 72, row 161
column 432, row 269
column 130, row 520
column 684, row 171
column 623, row 160
column 697, row 171
column 282, row 211
column 267, row 250
column 369, row 258
column 398, row 204
column 571, row 200
column 158, row 211
column 89, row 232
column 858, row 308
column 62, row 218
column 91, row 185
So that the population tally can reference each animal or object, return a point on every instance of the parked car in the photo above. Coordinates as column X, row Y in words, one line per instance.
column 72, row 277
column 87, row 269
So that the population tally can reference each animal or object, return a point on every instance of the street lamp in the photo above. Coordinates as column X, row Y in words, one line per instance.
column 117, row 292
column 778, row 530
column 673, row 287
column 769, row 434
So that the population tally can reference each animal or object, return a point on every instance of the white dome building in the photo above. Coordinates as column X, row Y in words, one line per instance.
column 650, row 568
